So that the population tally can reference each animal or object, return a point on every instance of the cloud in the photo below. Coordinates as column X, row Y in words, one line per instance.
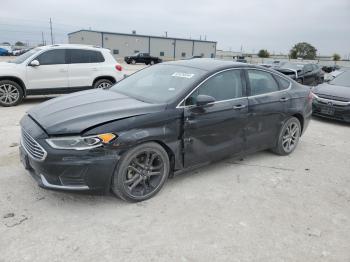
column 254, row 24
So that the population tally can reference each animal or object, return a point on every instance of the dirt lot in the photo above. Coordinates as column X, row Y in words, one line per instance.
column 263, row 208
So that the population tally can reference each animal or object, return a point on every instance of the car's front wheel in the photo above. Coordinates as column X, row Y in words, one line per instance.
column 11, row 93
column 152, row 62
column 133, row 61
column 141, row 172
column 103, row 84
column 289, row 137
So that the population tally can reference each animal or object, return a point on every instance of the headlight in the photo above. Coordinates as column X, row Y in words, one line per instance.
column 314, row 95
column 79, row 142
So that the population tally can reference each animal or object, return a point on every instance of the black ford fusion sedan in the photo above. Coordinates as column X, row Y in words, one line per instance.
column 159, row 122
column 332, row 99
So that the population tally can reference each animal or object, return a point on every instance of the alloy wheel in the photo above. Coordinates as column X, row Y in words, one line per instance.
column 9, row 94
column 104, row 85
column 144, row 174
column 290, row 137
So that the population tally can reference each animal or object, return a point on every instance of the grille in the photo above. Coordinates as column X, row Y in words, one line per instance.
column 32, row 147
column 335, row 98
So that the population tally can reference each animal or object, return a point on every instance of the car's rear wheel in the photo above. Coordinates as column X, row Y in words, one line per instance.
column 11, row 93
column 289, row 137
column 133, row 61
column 103, row 84
column 141, row 172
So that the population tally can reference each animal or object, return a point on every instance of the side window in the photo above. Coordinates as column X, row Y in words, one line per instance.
column 284, row 83
column 79, row 56
column 261, row 82
column 308, row 68
column 52, row 57
column 161, row 53
column 223, row 86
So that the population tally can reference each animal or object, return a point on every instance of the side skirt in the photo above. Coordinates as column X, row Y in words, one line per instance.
column 58, row 90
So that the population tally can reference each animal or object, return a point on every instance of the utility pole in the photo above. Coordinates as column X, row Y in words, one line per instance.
column 166, row 34
column 42, row 37
column 51, row 31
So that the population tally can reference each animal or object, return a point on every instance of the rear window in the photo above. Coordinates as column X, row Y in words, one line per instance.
column 80, row 56
column 284, row 83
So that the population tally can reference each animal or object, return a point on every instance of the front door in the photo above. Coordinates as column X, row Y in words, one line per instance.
column 51, row 73
column 217, row 129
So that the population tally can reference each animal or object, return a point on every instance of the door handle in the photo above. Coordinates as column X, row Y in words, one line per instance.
column 284, row 99
column 63, row 70
column 94, row 69
column 239, row 107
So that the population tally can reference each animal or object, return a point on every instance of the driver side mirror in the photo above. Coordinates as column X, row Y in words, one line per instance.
column 34, row 63
column 203, row 100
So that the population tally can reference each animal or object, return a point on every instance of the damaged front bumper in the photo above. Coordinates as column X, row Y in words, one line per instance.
column 87, row 170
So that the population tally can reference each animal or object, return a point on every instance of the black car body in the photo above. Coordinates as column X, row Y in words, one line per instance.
column 332, row 99
column 196, row 111
column 306, row 74
column 142, row 58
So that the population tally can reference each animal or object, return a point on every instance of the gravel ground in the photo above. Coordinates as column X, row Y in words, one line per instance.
column 262, row 208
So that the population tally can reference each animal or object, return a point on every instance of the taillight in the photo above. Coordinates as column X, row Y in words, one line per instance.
column 119, row 67
column 310, row 96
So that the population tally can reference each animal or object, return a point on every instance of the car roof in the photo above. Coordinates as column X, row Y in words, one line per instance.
column 71, row 46
column 208, row 64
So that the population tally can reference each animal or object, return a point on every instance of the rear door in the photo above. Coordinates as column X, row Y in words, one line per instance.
column 215, row 130
column 84, row 66
column 51, row 73
column 268, row 105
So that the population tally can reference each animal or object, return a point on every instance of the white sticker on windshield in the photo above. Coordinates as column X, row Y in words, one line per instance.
column 184, row 75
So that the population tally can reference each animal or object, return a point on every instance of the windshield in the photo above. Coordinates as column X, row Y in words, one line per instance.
column 342, row 79
column 159, row 83
column 20, row 59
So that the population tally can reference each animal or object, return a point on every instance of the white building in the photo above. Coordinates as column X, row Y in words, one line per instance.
column 166, row 48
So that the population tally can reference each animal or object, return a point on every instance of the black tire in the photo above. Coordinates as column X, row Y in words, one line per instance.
column 133, row 61
column 103, row 84
column 286, row 137
column 151, row 62
column 128, row 62
column 135, row 177
column 11, row 93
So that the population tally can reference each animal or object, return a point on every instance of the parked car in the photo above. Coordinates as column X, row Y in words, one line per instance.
column 329, row 69
column 306, row 74
column 142, row 58
column 4, row 52
column 161, row 121
column 332, row 99
column 330, row 76
column 57, row 69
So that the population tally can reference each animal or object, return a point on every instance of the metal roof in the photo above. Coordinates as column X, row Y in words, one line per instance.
column 151, row 36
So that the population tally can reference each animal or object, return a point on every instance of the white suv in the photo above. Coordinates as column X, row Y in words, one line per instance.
column 57, row 69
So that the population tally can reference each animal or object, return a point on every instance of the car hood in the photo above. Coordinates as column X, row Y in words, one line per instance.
column 5, row 65
column 333, row 90
column 74, row 113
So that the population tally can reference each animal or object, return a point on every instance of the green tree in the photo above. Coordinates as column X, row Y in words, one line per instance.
column 19, row 43
column 263, row 53
column 336, row 57
column 6, row 43
column 303, row 50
